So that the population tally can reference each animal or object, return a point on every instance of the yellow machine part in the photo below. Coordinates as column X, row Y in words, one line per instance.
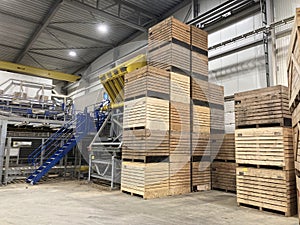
column 113, row 80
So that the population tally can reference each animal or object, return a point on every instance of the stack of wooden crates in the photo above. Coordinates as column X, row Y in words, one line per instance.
column 224, row 166
column 166, row 122
column 264, row 151
column 294, row 94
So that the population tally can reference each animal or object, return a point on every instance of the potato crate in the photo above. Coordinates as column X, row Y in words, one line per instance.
column 200, row 64
column 147, row 180
column 267, row 189
column 179, row 143
column 262, row 107
column 200, row 90
column 179, row 88
column 171, row 57
column 146, row 113
column 143, row 144
column 201, row 119
column 199, row 39
column 180, row 179
column 223, row 147
column 180, row 117
column 147, row 82
column 294, row 64
column 224, row 176
column 169, row 30
column 272, row 146
column 201, row 144
column 201, row 176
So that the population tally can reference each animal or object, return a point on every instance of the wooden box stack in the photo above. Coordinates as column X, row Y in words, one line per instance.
column 161, row 123
column 264, row 151
column 294, row 95
column 224, row 166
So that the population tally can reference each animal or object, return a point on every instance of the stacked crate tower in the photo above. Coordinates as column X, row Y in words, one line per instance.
column 294, row 94
column 224, row 166
column 264, row 152
column 166, row 136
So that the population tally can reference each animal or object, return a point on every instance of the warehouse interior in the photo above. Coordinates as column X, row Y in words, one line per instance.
column 150, row 112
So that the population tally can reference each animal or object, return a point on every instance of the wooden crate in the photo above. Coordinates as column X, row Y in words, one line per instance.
column 267, row 189
column 216, row 95
column 147, row 82
column 170, row 57
column 179, row 145
column 266, row 106
column 272, row 146
column 180, row 117
column 298, row 194
column 179, row 88
column 200, row 144
column 199, row 38
column 148, row 180
column 296, row 147
column 199, row 64
column 140, row 144
column 180, row 178
column 149, row 113
column 223, row 147
column 217, row 118
column 294, row 64
column 200, row 90
column 201, row 176
column 168, row 30
column 224, row 176
column 201, row 119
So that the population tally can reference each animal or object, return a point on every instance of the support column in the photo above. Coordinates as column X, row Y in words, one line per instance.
column 272, row 43
column 3, row 131
column 7, row 159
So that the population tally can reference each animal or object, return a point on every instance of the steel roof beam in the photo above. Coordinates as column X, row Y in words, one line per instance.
column 53, row 9
column 104, row 14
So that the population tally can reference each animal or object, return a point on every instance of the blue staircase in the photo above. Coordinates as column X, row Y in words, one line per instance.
column 58, row 145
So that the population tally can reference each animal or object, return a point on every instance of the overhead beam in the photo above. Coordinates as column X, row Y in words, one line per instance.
column 137, row 9
column 55, row 75
column 104, row 14
column 40, row 28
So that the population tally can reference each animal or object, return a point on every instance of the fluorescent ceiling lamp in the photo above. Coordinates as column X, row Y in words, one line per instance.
column 102, row 28
column 72, row 53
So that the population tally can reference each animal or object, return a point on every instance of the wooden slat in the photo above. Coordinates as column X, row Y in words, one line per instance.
column 224, row 176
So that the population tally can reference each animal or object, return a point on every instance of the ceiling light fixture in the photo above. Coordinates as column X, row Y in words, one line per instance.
column 103, row 28
column 72, row 53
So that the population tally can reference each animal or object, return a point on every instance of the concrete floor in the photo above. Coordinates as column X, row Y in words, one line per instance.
column 74, row 203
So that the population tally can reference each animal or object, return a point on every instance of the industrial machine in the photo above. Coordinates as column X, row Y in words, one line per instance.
column 106, row 147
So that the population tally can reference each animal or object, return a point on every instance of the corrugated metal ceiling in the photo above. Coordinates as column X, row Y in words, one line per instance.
column 71, row 27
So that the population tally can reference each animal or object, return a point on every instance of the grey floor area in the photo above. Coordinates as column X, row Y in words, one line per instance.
column 72, row 203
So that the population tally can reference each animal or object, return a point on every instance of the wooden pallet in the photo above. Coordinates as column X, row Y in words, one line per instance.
column 263, row 106
column 267, row 189
column 201, row 119
column 147, row 180
column 293, row 67
column 201, row 176
column 179, row 88
column 199, row 38
column 272, row 146
column 167, row 30
column 147, row 81
column 180, row 117
column 224, row 176
column 168, row 55
column 149, row 113
column 138, row 144
column 223, row 147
